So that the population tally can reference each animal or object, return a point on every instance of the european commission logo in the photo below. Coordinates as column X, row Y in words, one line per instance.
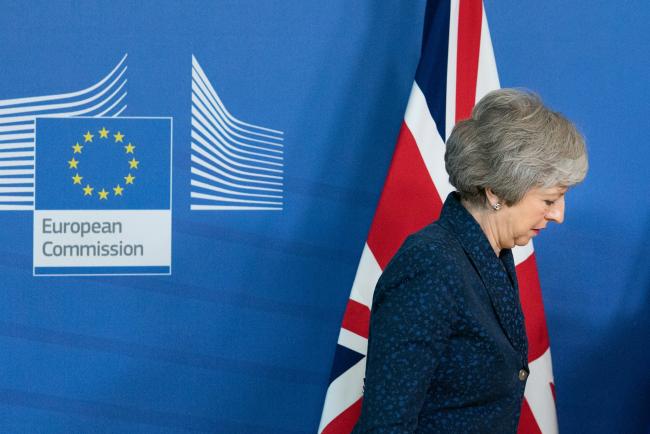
column 102, row 202
column 100, row 184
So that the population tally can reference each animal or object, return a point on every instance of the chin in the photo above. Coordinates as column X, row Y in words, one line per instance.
column 522, row 241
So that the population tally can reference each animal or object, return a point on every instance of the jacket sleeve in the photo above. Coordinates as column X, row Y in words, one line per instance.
column 410, row 325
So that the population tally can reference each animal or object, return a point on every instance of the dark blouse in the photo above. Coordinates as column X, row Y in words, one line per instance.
column 447, row 351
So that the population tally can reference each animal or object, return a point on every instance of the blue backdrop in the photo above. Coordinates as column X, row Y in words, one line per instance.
column 241, row 336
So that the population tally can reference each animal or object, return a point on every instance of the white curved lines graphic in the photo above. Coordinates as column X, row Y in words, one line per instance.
column 235, row 165
column 104, row 98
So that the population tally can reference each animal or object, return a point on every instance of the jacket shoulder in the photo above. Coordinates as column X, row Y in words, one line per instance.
column 432, row 250
column 432, row 245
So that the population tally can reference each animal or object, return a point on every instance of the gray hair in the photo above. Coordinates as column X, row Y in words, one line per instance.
column 513, row 143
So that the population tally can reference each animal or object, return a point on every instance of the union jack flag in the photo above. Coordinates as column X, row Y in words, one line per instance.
column 456, row 68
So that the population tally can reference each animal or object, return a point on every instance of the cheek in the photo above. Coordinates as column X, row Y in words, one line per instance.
column 525, row 222
column 536, row 216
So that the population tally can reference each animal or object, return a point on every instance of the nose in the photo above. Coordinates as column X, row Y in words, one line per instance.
column 556, row 212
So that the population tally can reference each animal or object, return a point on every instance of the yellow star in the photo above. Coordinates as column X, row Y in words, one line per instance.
column 103, row 133
column 77, row 148
column 88, row 190
column 129, row 179
column 73, row 163
column 129, row 148
column 118, row 137
column 133, row 164
column 77, row 179
column 118, row 190
column 103, row 194
column 88, row 137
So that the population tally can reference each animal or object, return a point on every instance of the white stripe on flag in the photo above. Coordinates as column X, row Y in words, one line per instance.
column 353, row 341
column 521, row 253
column 539, row 394
column 487, row 78
column 431, row 146
column 450, row 108
column 343, row 392
column 366, row 278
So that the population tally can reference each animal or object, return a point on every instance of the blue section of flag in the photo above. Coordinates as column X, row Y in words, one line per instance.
column 431, row 74
column 344, row 359
column 125, row 166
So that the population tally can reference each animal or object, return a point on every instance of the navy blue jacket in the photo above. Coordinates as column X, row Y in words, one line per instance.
column 447, row 351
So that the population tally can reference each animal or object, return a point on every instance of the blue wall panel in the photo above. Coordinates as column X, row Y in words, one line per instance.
column 240, row 338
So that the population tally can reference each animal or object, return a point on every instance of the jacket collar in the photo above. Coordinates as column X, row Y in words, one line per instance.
column 497, row 273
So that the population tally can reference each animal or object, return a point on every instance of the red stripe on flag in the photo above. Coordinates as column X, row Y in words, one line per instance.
column 552, row 386
column 470, row 16
column 527, row 423
column 408, row 202
column 357, row 318
column 530, row 293
column 344, row 422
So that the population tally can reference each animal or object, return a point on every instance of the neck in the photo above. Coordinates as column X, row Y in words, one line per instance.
column 486, row 219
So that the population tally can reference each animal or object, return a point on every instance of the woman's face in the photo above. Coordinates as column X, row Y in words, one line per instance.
column 524, row 220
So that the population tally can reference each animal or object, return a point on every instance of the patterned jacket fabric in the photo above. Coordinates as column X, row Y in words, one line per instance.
column 447, row 351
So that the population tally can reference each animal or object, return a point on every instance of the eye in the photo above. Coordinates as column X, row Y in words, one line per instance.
column 549, row 202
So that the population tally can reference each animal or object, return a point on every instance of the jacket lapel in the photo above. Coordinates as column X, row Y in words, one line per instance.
column 497, row 273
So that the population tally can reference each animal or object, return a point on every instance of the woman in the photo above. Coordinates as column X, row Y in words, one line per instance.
column 447, row 350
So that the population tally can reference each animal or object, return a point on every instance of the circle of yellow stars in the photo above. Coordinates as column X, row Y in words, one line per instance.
column 89, row 190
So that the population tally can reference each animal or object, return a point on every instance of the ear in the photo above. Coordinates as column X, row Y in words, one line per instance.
column 491, row 197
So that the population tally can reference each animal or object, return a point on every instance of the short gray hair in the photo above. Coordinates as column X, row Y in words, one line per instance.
column 513, row 143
